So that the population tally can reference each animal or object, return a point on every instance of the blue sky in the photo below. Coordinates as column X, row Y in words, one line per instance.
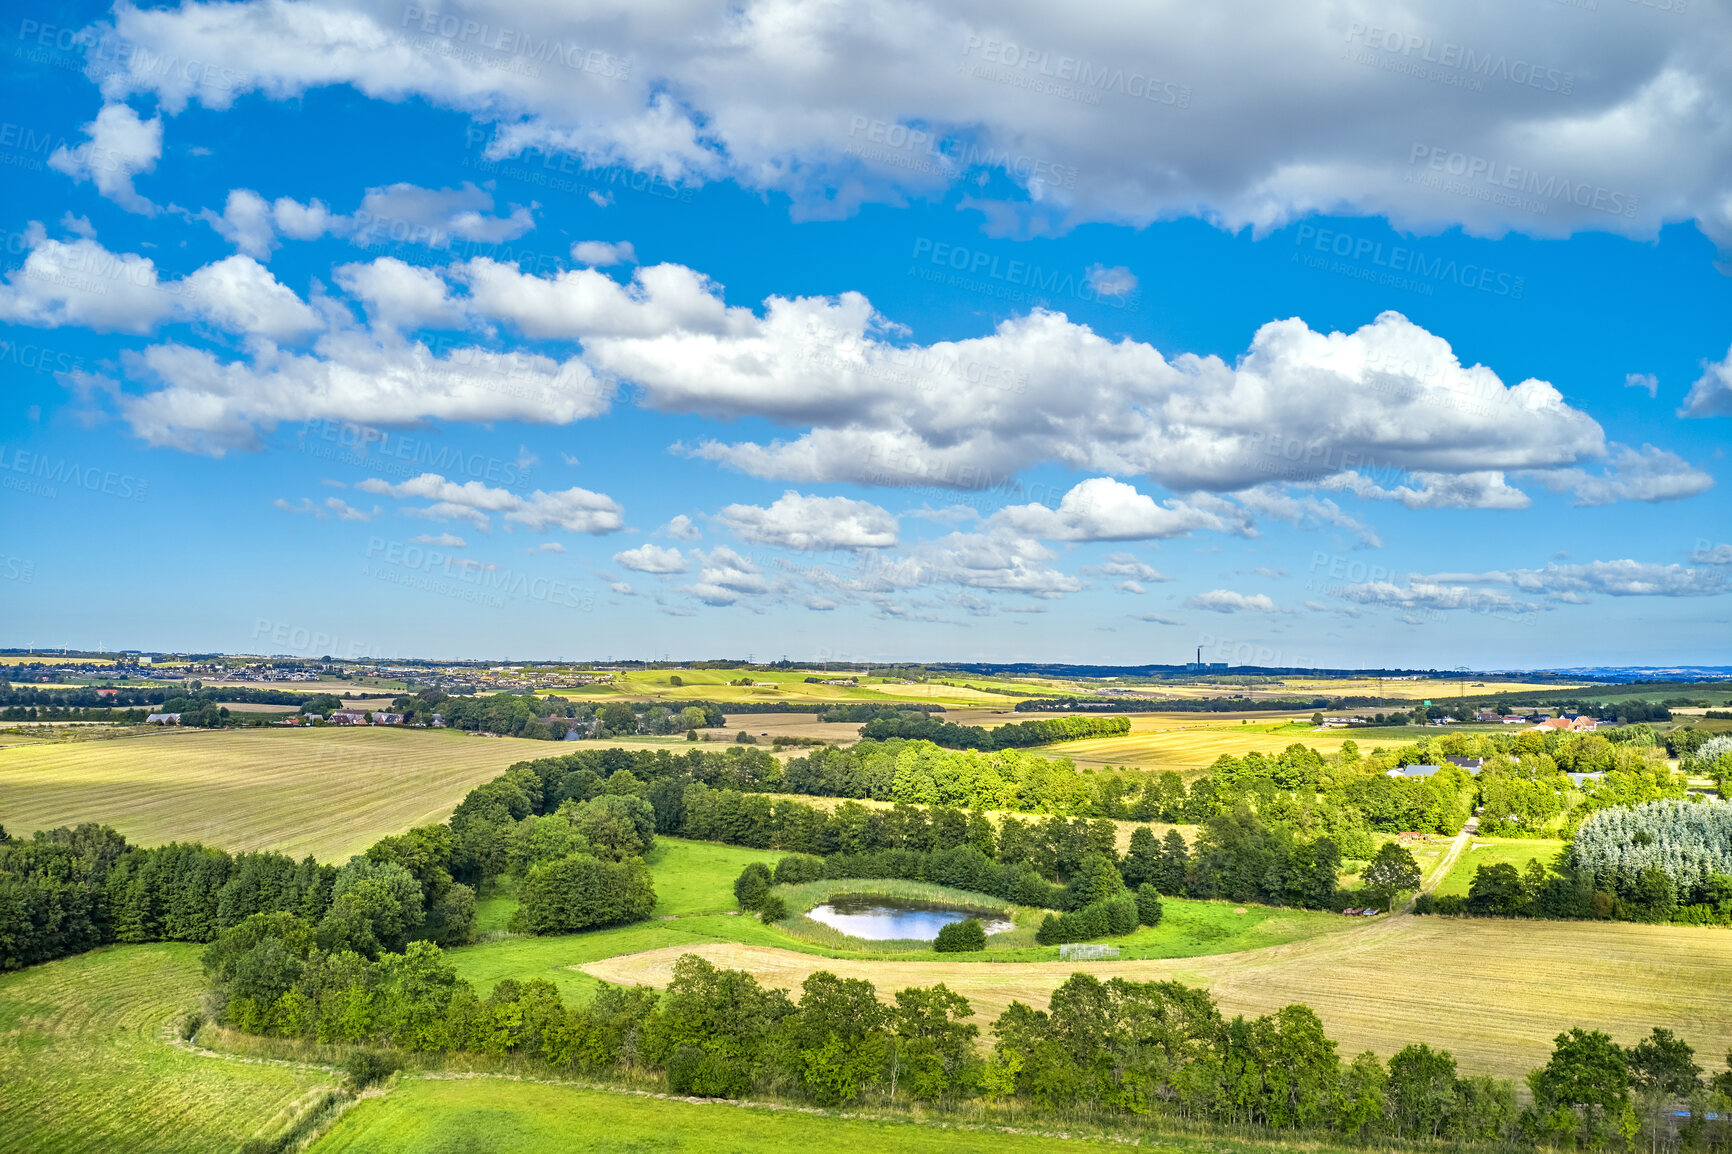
column 957, row 332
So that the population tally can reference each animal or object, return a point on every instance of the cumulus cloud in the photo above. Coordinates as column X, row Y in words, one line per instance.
column 445, row 540
column 239, row 294
column 572, row 510
column 724, row 577
column 400, row 296
column 680, row 528
column 1125, row 565
column 650, row 558
column 795, row 521
column 1227, row 601
column 1483, row 489
column 601, row 253
column 120, row 146
column 399, row 214
column 1623, row 578
column 1711, row 395
column 547, row 547
column 1110, row 282
column 1252, row 117
column 1102, row 509
column 1645, row 474
column 1706, row 554
column 1646, row 381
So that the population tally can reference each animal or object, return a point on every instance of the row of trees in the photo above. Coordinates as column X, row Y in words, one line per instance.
column 1110, row 1048
column 64, row 891
column 1018, row 736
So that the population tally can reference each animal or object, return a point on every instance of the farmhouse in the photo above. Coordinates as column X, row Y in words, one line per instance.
column 163, row 719
column 1471, row 764
column 1414, row 770
column 380, row 717
column 348, row 717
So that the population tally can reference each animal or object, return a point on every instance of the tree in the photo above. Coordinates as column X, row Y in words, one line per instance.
column 580, row 891
column 934, row 1042
column 961, row 937
column 1497, row 889
column 772, row 909
column 1421, row 1090
column 1392, row 871
column 1175, row 860
column 752, row 885
column 1585, row 1087
column 615, row 827
column 1143, row 862
column 1148, row 905
column 1317, row 720
column 618, row 717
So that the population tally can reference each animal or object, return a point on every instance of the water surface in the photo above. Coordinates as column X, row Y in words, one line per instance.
column 879, row 919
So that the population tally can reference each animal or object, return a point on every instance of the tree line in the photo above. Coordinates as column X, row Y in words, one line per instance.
column 1100, row 1048
column 1017, row 736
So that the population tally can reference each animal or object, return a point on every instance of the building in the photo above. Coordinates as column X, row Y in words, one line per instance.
column 1471, row 764
column 1577, row 779
column 163, row 719
column 1414, row 770
column 380, row 717
column 349, row 717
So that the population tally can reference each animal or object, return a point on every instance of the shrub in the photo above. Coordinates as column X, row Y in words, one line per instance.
column 961, row 937
column 751, row 886
column 579, row 891
column 366, row 1067
column 798, row 868
column 745, row 738
column 1149, row 905
column 772, row 909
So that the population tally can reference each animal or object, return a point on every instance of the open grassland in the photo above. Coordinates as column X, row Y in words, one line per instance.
column 1493, row 850
column 697, row 877
column 1494, row 992
column 458, row 1115
column 86, row 1061
column 329, row 792
column 1189, row 929
column 1190, row 742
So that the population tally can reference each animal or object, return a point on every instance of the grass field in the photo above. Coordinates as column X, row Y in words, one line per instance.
column 466, row 1116
column 1491, row 851
column 329, row 792
column 1494, row 992
column 86, row 1064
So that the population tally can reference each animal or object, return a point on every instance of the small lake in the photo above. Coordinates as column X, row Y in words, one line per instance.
column 878, row 919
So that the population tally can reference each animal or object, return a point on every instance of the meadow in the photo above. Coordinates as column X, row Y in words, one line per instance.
column 86, row 1061
column 329, row 792
column 1492, row 851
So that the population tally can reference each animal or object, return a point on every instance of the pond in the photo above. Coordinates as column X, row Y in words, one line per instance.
column 879, row 919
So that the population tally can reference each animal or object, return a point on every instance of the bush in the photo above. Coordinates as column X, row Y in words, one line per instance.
column 772, row 909
column 751, row 886
column 745, row 738
column 1102, row 919
column 366, row 1067
column 1148, row 905
column 579, row 891
column 691, row 735
column 798, row 868
column 961, row 937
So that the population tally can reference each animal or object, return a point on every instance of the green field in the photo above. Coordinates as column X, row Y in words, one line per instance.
column 329, row 792
column 1492, row 851
column 86, row 1064
column 452, row 1116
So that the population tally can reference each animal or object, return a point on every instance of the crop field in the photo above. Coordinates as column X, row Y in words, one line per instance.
column 86, row 1064
column 1494, row 992
column 328, row 792
column 1190, row 742
column 1493, row 850
column 453, row 1114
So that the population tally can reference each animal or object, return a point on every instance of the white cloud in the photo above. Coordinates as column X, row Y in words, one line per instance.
column 1483, row 489
column 406, row 213
column 1129, row 587
column 573, row 510
column 794, row 521
column 601, row 253
column 1706, row 554
column 680, row 528
column 1102, row 509
column 347, row 512
column 241, row 295
column 1117, row 281
column 1646, row 381
column 1227, row 601
column 305, row 508
column 1249, row 115
column 724, row 577
column 120, row 146
column 1302, row 512
column 401, row 296
column 547, row 547
column 1624, row 578
column 80, row 283
column 650, row 558
column 1645, row 474
column 245, row 222
column 447, row 540
column 1711, row 395
column 1125, row 565
column 1420, row 593
column 623, row 589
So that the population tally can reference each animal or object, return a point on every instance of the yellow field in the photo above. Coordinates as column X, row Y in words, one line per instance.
column 1190, row 742
column 329, row 792
column 1493, row 992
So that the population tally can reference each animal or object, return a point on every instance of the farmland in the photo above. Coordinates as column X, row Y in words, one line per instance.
column 1492, row 851
column 86, row 1062
column 328, row 792
column 1494, row 992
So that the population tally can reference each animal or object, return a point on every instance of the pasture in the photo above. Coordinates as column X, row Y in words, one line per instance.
column 329, row 792
column 1494, row 992
column 448, row 1114
column 1492, row 851
column 86, row 1061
